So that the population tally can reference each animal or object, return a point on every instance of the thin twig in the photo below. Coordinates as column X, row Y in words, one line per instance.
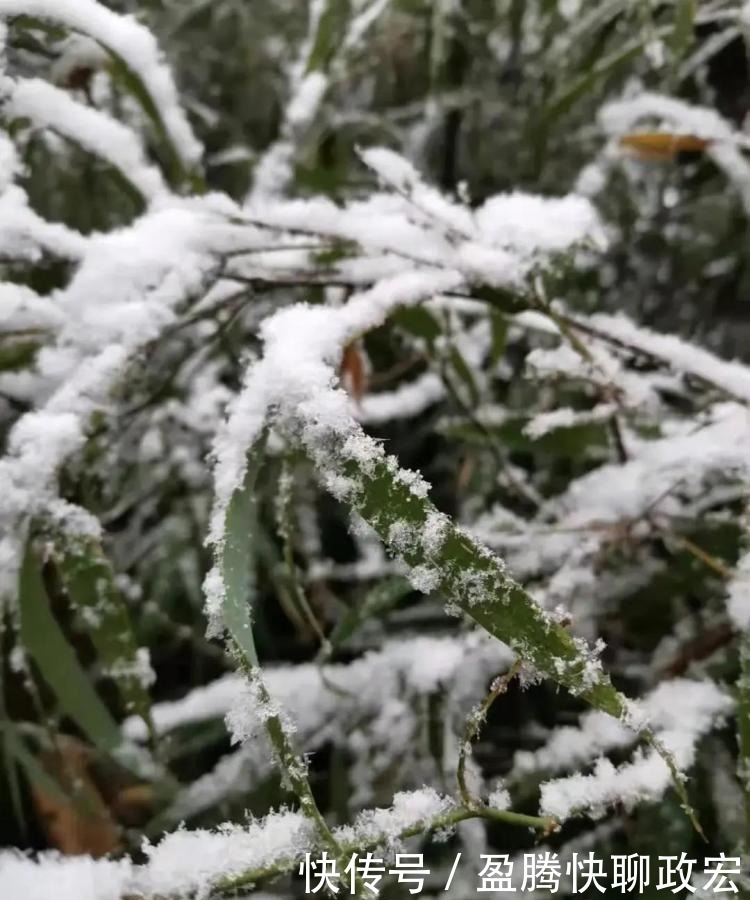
column 474, row 723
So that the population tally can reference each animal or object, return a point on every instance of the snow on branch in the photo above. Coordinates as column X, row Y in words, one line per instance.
column 126, row 290
column 619, row 116
column 25, row 235
column 571, row 747
column 738, row 594
column 23, row 309
column 684, row 358
column 132, row 44
column 687, row 456
column 295, row 382
column 695, row 708
column 47, row 106
column 199, row 863
column 724, row 144
column 326, row 43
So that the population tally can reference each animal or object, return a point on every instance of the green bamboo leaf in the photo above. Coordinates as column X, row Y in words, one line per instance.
column 571, row 93
column 237, row 559
column 465, row 375
column 684, row 27
column 57, row 662
column 177, row 174
column 90, row 582
column 132, row 82
column 499, row 325
column 444, row 558
column 328, row 36
column 419, row 322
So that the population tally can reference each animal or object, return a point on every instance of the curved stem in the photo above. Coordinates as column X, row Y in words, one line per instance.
column 474, row 722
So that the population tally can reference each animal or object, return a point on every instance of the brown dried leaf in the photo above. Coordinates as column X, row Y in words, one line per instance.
column 353, row 372
column 662, row 145
column 79, row 78
column 82, row 823
column 133, row 805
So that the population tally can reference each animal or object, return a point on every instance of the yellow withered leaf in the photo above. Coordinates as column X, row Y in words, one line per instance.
column 662, row 145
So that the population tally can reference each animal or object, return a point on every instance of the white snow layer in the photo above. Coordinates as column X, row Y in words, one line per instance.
column 192, row 862
column 681, row 712
column 128, row 41
column 47, row 106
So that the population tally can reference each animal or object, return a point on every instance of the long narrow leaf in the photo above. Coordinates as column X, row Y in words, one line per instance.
column 237, row 560
column 45, row 642
column 91, row 585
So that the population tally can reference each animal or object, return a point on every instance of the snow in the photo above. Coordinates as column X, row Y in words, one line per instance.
column 25, row 236
column 571, row 747
column 63, row 877
column 50, row 107
column 411, row 399
column 681, row 713
column 77, row 51
column 738, row 594
column 409, row 809
column 682, row 357
column 182, row 863
column 405, row 402
column 677, row 117
column 420, row 664
column 499, row 799
column 128, row 41
column 688, row 456
column 620, row 116
column 21, row 308
column 425, row 578
column 193, row 861
column 148, row 269
column 533, row 225
column 304, row 105
column 564, row 417
column 398, row 173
